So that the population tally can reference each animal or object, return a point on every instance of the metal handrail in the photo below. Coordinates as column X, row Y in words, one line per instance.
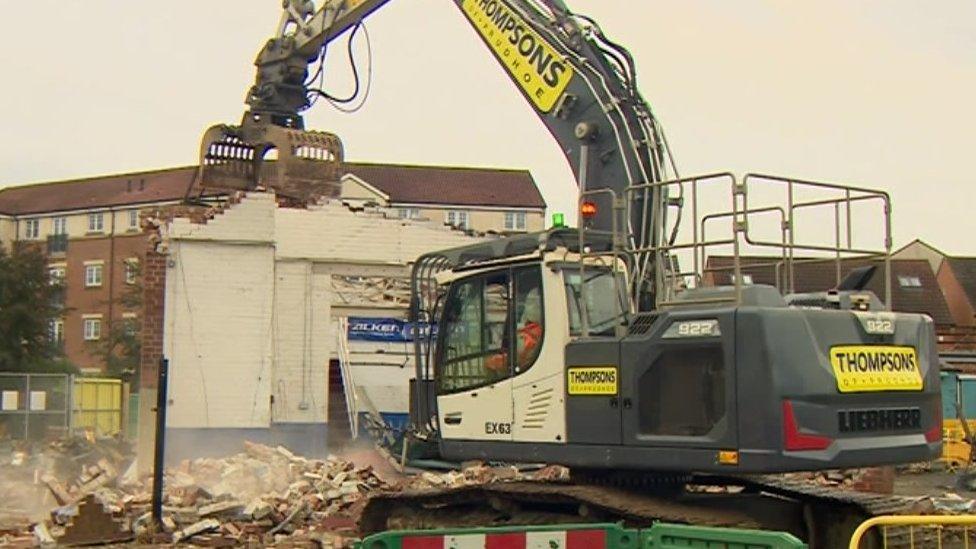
column 911, row 521
column 741, row 215
column 847, row 200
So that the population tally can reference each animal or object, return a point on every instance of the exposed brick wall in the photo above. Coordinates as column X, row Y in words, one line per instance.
column 154, row 291
column 103, row 300
column 962, row 310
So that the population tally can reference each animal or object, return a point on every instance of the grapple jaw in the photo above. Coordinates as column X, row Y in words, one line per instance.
column 294, row 163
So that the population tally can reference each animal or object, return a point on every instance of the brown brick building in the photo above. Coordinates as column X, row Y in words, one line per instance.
column 957, row 276
column 91, row 228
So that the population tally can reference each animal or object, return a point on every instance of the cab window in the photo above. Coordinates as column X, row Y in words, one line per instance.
column 473, row 330
column 481, row 321
column 600, row 294
column 529, row 321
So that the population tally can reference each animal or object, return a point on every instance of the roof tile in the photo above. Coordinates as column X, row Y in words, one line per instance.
column 448, row 185
column 965, row 270
column 404, row 184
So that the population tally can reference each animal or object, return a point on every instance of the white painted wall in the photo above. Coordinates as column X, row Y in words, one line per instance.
column 250, row 309
column 218, row 333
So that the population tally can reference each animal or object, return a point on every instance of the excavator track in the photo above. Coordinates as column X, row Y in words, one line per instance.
column 822, row 516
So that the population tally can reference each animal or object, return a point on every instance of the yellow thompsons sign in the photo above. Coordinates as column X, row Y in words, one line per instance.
column 542, row 73
column 592, row 381
column 861, row 368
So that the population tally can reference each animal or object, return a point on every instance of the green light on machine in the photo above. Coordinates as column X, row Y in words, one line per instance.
column 558, row 221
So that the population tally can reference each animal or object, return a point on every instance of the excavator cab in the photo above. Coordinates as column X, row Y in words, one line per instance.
column 542, row 354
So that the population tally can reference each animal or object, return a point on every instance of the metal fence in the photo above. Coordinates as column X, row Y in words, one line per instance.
column 917, row 531
column 36, row 407
column 97, row 405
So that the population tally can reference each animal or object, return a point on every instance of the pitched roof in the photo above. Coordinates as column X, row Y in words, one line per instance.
column 917, row 243
column 450, row 185
column 820, row 276
column 965, row 270
column 97, row 192
column 405, row 184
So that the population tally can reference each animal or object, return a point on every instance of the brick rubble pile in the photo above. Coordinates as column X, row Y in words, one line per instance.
column 261, row 496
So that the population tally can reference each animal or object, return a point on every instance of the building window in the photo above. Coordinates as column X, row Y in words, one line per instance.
column 133, row 220
column 457, row 218
column 93, row 329
column 514, row 221
column 96, row 222
column 409, row 213
column 32, row 228
column 746, row 279
column 131, row 270
column 93, row 275
column 61, row 225
column 56, row 331
column 909, row 281
column 56, row 276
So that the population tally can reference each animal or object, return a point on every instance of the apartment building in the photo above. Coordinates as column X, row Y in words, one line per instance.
column 91, row 230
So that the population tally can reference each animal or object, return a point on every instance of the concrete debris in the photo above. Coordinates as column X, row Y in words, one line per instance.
column 261, row 496
column 43, row 536
column 873, row 479
column 952, row 503
column 205, row 525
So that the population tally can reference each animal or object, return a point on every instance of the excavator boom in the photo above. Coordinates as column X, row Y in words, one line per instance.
column 591, row 348
column 581, row 85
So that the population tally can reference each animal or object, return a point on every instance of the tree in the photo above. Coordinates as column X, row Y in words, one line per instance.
column 120, row 348
column 29, row 303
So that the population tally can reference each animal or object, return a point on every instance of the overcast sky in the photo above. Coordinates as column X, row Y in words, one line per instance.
column 877, row 92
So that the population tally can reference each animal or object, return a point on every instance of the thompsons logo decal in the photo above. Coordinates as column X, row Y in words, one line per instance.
column 592, row 381
column 541, row 72
column 860, row 368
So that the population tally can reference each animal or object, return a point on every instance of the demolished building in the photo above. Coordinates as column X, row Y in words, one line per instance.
column 249, row 306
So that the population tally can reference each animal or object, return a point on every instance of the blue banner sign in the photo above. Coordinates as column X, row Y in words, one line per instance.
column 384, row 329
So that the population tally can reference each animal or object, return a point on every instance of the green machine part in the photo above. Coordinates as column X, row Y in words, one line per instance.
column 584, row 536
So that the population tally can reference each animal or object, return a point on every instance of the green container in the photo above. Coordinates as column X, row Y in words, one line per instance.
column 675, row 536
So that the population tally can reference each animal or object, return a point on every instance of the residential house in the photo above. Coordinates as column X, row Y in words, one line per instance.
column 480, row 199
column 914, row 288
column 957, row 276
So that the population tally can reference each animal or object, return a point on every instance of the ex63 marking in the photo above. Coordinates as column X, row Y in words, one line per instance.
column 492, row 428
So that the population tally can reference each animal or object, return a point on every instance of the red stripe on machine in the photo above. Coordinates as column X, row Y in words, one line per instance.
column 586, row 539
column 423, row 542
column 514, row 540
column 546, row 539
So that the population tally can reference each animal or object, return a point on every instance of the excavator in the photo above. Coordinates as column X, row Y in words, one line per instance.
column 590, row 347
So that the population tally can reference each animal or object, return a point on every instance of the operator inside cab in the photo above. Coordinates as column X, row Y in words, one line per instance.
column 528, row 331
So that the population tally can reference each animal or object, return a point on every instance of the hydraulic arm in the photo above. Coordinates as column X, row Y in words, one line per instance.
column 580, row 84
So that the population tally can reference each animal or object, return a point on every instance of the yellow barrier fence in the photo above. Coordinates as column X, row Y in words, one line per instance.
column 97, row 405
column 928, row 531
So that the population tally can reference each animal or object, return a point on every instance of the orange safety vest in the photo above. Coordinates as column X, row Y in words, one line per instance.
column 531, row 333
